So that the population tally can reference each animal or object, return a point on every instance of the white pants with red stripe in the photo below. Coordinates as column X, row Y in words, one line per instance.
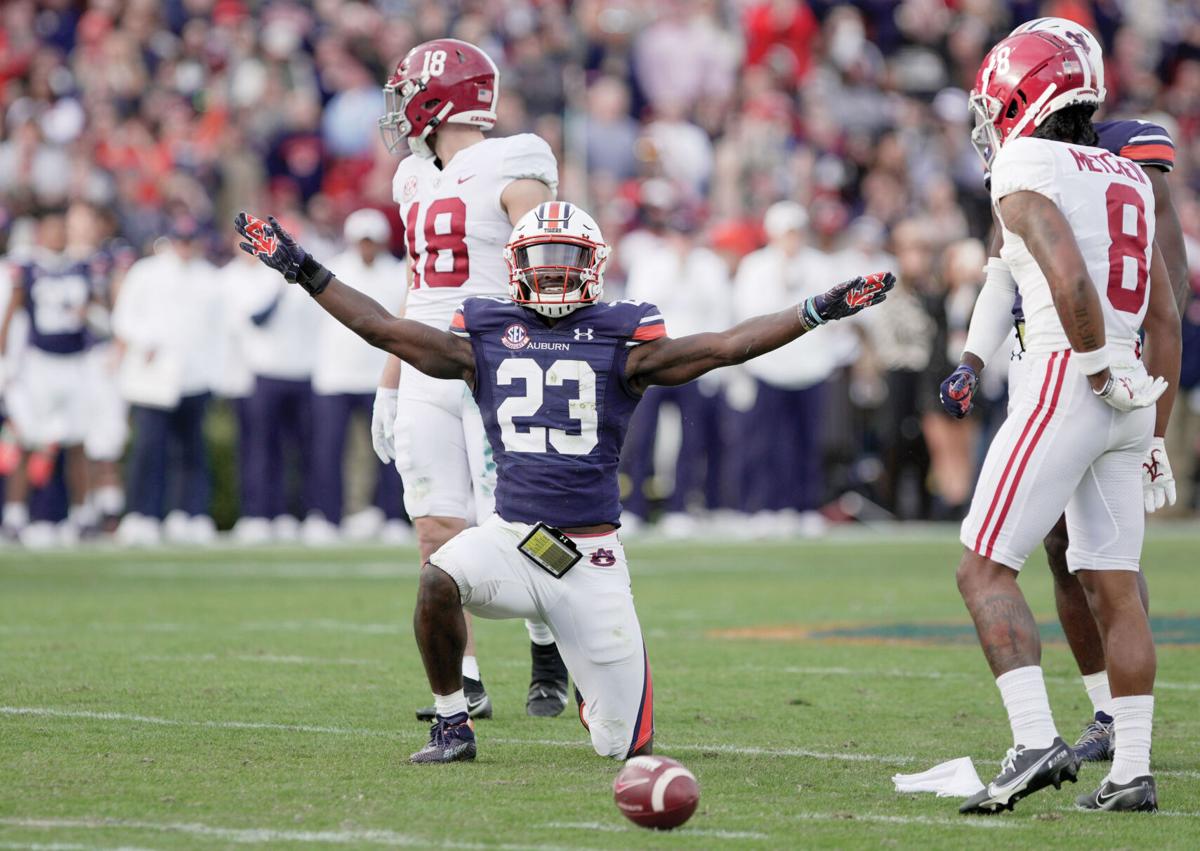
column 1062, row 448
column 589, row 610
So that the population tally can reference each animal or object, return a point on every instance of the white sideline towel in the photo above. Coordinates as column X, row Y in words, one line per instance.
column 954, row 779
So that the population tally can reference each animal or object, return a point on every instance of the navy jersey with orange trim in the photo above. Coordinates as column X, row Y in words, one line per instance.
column 1146, row 143
column 555, row 403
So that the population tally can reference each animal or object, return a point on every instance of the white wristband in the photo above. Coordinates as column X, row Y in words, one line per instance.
column 1089, row 363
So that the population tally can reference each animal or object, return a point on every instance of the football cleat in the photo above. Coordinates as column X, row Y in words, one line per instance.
column 479, row 705
column 450, row 740
column 548, row 682
column 1139, row 795
column 1023, row 772
column 1095, row 743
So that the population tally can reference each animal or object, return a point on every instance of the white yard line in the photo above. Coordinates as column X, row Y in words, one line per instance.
column 901, row 673
column 608, row 827
column 962, row 821
column 264, row 835
column 52, row 712
column 1190, row 775
column 68, row 846
column 265, row 658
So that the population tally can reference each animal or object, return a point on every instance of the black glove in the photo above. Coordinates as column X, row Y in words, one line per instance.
column 274, row 246
column 957, row 391
column 846, row 299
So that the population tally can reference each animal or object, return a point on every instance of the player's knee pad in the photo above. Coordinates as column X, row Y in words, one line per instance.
column 610, row 736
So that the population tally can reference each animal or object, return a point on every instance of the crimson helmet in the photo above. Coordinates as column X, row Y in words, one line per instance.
column 444, row 80
column 1023, row 80
column 1077, row 33
column 556, row 259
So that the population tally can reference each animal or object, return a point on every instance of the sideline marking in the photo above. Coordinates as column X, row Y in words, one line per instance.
column 261, row 835
column 51, row 712
column 606, row 827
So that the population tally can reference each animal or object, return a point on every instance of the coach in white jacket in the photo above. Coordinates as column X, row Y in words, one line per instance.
column 346, row 372
column 783, row 431
column 162, row 318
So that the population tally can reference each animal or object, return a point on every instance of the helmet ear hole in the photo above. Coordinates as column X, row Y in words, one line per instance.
column 1011, row 112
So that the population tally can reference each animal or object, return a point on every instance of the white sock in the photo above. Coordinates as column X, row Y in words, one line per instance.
column 470, row 667
column 447, row 705
column 1134, row 718
column 81, row 516
column 109, row 500
column 1024, row 694
column 1097, row 689
column 539, row 633
column 16, row 515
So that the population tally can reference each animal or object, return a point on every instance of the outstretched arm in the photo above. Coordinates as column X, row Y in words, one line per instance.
column 1168, row 236
column 678, row 361
column 439, row 354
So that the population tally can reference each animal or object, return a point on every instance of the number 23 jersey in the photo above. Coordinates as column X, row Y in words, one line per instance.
column 1109, row 204
column 455, row 228
column 556, row 404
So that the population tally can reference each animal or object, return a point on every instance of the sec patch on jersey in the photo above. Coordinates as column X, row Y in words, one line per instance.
column 656, row 792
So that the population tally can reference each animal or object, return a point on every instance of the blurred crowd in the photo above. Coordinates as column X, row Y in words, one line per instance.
column 739, row 155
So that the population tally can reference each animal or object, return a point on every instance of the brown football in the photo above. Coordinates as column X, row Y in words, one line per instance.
column 656, row 792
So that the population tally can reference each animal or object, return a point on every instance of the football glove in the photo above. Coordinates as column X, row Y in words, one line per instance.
column 846, row 299
column 276, row 248
column 1130, row 392
column 1158, row 482
column 958, row 390
column 383, row 424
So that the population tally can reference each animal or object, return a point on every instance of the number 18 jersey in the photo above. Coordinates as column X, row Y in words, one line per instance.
column 454, row 225
column 556, row 404
column 1109, row 204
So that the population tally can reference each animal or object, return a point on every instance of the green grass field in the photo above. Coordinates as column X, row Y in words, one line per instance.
column 233, row 698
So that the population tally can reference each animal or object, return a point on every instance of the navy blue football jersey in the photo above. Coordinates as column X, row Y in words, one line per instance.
column 1144, row 142
column 555, row 403
column 57, row 292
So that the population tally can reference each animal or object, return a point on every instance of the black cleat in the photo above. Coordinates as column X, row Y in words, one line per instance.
column 1095, row 743
column 479, row 705
column 450, row 740
column 1139, row 795
column 548, row 682
column 1023, row 772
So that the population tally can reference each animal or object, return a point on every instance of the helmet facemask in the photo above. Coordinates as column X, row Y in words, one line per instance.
column 555, row 276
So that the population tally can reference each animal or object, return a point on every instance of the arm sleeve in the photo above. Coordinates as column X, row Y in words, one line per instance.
column 528, row 157
column 991, row 320
column 649, row 325
column 1151, row 145
column 1024, row 165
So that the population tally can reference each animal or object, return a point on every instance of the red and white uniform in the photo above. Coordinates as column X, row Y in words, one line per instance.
column 1061, row 446
column 456, row 230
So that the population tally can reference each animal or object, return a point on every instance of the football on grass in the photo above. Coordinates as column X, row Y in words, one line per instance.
column 656, row 792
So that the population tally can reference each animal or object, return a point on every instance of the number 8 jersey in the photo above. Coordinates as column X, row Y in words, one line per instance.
column 1109, row 204
column 556, row 404
column 455, row 227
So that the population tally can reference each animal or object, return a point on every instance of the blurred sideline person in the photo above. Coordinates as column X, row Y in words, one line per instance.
column 163, row 321
column 572, row 369
column 344, row 382
column 92, row 237
column 783, row 429
column 46, row 396
column 690, row 284
column 1000, row 306
column 280, row 351
column 459, row 195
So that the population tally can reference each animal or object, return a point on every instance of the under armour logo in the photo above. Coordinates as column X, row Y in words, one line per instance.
column 584, row 334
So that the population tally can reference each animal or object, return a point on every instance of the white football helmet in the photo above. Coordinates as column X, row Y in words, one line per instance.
column 556, row 259
column 1078, row 35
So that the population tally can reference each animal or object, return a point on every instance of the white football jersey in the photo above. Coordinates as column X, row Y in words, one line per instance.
column 455, row 227
column 1109, row 204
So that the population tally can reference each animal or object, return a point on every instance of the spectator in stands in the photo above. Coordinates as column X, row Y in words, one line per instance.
column 344, row 381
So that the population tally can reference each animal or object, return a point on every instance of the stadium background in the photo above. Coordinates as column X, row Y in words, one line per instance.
column 678, row 124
